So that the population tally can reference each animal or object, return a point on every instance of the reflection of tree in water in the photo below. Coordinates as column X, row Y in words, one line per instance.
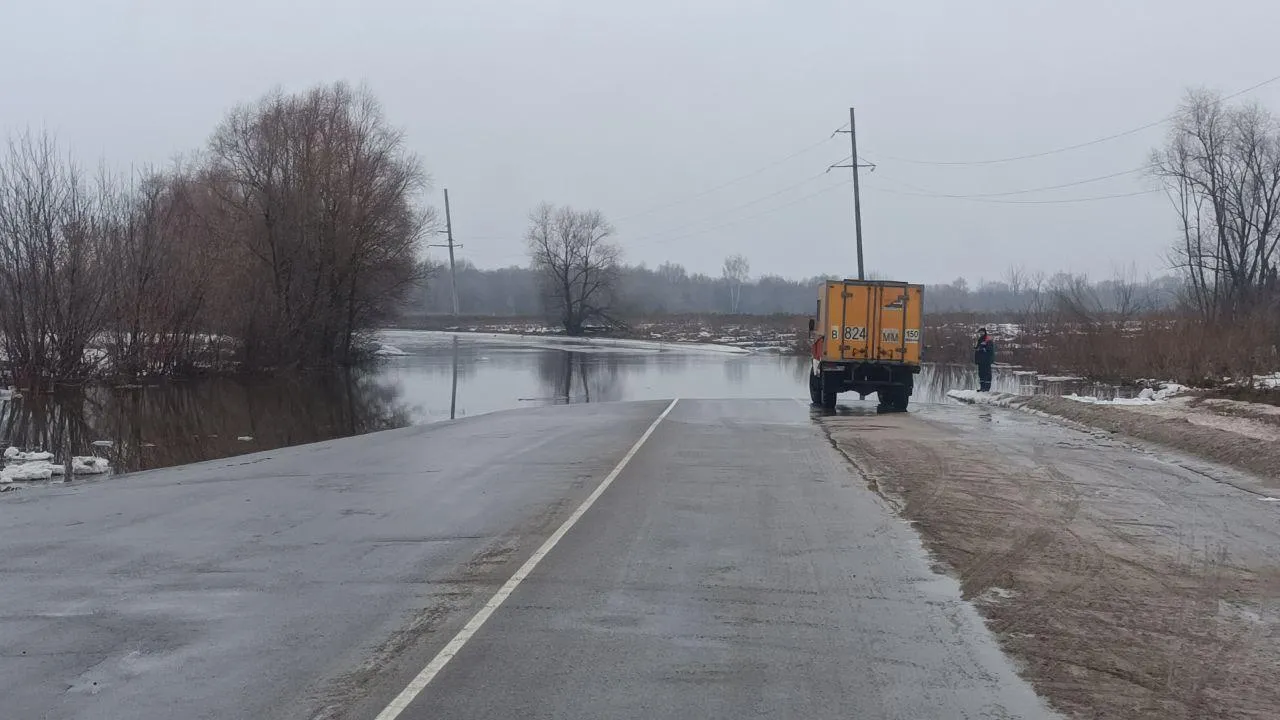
column 179, row 423
column 737, row 371
column 441, row 360
column 575, row 377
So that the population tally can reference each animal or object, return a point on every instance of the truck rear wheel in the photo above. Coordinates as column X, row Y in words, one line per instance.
column 828, row 399
column 901, row 398
column 894, row 399
column 815, row 389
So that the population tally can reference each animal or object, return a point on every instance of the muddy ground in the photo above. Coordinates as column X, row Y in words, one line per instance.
column 1128, row 583
column 1242, row 435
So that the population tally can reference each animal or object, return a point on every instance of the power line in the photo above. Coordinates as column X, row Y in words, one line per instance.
column 735, row 208
column 760, row 214
column 929, row 193
column 725, row 184
column 1060, row 201
column 1076, row 146
column 1029, row 156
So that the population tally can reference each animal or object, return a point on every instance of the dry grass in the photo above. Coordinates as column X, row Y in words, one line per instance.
column 1180, row 347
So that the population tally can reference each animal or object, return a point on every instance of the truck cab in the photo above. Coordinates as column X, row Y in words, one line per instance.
column 867, row 336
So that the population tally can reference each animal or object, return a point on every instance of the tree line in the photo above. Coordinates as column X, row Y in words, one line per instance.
column 280, row 245
column 670, row 289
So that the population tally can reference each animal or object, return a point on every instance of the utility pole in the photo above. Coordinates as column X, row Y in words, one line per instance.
column 453, row 276
column 857, row 199
column 448, row 231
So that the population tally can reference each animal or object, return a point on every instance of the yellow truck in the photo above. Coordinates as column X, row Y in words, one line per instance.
column 867, row 337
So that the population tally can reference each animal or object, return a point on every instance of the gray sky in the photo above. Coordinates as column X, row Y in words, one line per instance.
column 632, row 106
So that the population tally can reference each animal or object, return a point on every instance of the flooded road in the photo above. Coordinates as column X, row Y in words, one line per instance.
column 439, row 376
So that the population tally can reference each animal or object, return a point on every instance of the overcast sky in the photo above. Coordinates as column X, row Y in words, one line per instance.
column 639, row 108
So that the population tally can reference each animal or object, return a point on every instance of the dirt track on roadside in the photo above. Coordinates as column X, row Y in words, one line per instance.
column 1126, row 586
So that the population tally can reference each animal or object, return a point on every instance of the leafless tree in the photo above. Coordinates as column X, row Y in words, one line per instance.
column 1075, row 299
column 737, row 270
column 1221, row 169
column 1128, row 299
column 52, row 272
column 577, row 264
column 321, row 218
column 163, row 265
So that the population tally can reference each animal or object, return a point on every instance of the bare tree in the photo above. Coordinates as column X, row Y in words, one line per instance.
column 737, row 270
column 1221, row 169
column 577, row 264
column 320, row 214
column 53, row 230
column 163, row 263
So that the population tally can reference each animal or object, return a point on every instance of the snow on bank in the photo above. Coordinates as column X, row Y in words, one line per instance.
column 996, row 399
column 1267, row 381
column 385, row 350
column 14, row 455
column 35, row 466
column 26, row 472
column 1146, row 397
column 584, row 343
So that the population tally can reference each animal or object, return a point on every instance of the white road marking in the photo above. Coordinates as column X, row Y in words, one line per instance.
column 442, row 658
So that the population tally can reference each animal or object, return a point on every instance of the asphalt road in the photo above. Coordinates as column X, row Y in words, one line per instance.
column 736, row 567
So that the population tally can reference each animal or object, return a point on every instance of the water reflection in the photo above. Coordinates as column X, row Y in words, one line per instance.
column 574, row 377
column 440, row 377
column 935, row 381
column 171, row 424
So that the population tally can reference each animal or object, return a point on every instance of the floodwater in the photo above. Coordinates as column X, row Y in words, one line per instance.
column 439, row 377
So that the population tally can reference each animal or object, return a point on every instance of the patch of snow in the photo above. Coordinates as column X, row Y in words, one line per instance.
column 9, row 393
column 1267, row 381
column 102, row 443
column 89, row 466
column 998, row 399
column 44, row 469
column 996, row 595
column 1270, row 499
column 26, row 472
column 245, row 438
column 14, row 455
column 385, row 350
column 1058, row 378
column 1146, row 397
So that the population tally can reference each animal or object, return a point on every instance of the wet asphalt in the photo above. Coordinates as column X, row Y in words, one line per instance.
column 737, row 567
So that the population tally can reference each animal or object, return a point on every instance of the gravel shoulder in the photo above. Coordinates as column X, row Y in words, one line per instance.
column 1128, row 583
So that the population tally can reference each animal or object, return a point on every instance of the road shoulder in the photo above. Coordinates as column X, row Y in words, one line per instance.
column 1125, row 585
column 1245, row 436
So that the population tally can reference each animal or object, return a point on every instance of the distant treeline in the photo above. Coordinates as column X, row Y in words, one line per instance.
column 670, row 289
